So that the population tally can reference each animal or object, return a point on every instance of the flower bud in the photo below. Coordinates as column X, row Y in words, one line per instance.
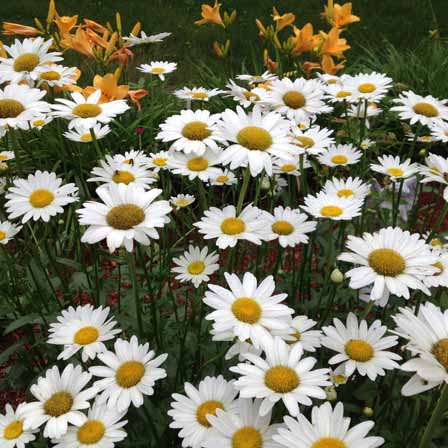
column 331, row 393
column 368, row 412
column 337, row 276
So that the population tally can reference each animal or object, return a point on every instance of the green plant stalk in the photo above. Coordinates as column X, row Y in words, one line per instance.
column 246, row 178
column 133, row 274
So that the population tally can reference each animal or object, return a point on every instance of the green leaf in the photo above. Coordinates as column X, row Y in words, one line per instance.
column 22, row 321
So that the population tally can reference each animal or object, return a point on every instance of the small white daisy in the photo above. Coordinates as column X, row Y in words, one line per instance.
column 339, row 155
column 439, row 131
column 439, row 278
column 346, row 188
column 435, row 170
column 338, row 93
column 366, row 143
column 82, row 133
column 394, row 168
column 133, row 158
column 8, row 230
column 331, row 206
column 55, row 75
column 12, row 434
column 193, row 165
column 223, row 177
column 258, row 79
column 6, row 155
column 132, row 40
column 291, row 166
column 159, row 161
column 372, row 86
column 158, row 68
column 196, row 93
column 242, row 95
column 40, row 120
column 312, row 141
column 182, row 200
column 361, row 111
column 300, row 332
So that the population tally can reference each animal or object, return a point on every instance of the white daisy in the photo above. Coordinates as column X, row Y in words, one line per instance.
column 328, row 428
column 82, row 132
column 393, row 260
column 159, row 161
column 282, row 375
column 8, row 230
column 361, row 111
column 158, row 68
column 439, row 278
column 6, row 155
column 313, row 140
column 132, row 40
column 84, row 328
column 191, row 131
column 426, row 138
column 40, row 196
column 331, row 206
column 195, row 166
column 223, row 177
column 372, row 86
column 289, row 226
column 300, row 332
column 55, row 75
column 61, row 398
column 331, row 79
column 247, row 310
column 133, row 158
column 435, row 170
column 291, row 166
column 129, row 373
column 196, row 93
column 40, row 120
column 242, row 95
column 258, row 79
column 127, row 213
column 238, row 348
column 228, row 228
column 439, row 131
column 255, row 138
column 12, row 434
column 88, row 111
column 338, row 93
column 394, row 168
column 190, row 412
column 182, row 200
column 339, row 155
column 366, row 143
column 195, row 265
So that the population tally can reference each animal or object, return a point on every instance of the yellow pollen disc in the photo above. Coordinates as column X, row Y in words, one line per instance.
column 3, row 157
column 331, row 211
column 125, row 216
column 158, row 70
column 182, row 202
column 86, row 110
column 197, row 164
column 305, row 142
column 440, row 267
column 296, row 335
column 58, row 404
column 196, row 130
column 287, row 168
column 387, row 262
column 26, row 62
column 339, row 159
column 254, row 138
column 41, row 198
column 86, row 137
column 129, row 374
column 282, row 228
column 359, row 350
column 281, row 379
column 86, row 335
column 199, row 95
column 345, row 193
column 222, row 179
column 367, row 87
column 2, row 235
column 250, row 96
column 440, row 352
column 13, row 430
column 92, row 431
column 10, row 108
column 343, row 94
column 160, row 161
column 396, row 172
column 38, row 123
column 196, row 268
column 247, row 437
column 123, row 177
column 426, row 109
column 246, row 310
column 294, row 99
column 331, row 81
column 338, row 379
column 207, row 408
column 435, row 242
column 50, row 76
column 233, row 226
column 329, row 442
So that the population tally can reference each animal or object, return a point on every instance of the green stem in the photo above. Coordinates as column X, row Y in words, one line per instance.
column 133, row 275
column 243, row 191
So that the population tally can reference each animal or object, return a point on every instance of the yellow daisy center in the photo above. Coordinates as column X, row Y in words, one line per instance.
column 296, row 335
column 222, row 179
column 158, row 70
column 426, row 109
column 86, row 335
column 3, row 157
column 343, row 94
column 13, row 430
column 207, row 408
column 199, row 95
column 247, row 437
column 440, row 267
column 129, row 374
column 196, row 268
column 282, row 228
column 123, row 177
column 41, row 198
column 159, row 161
column 288, row 167
column 2, row 235
column 125, row 216
column 58, row 404
column 197, row 164
column 345, row 193
column 50, row 76
column 250, row 96
column 367, row 87
column 91, row 432
column 182, row 202
column 26, row 62
column 329, row 442
column 281, row 379
column 246, row 310
column 86, row 110
column 338, row 379
column 339, row 159
column 435, row 242
column 396, row 172
column 359, row 350
column 305, row 142
column 39, row 122
column 196, row 130
column 331, row 211
column 254, row 138
column 87, row 137
column 440, row 352
column 233, row 226
column 294, row 99
column 387, row 262
column 10, row 108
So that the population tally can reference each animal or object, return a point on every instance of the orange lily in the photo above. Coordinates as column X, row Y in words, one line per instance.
column 3, row 53
column 333, row 45
column 340, row 15
column 210, row 14
column 136, row 96
column 309, row 66
column 52, row 13
column 10, row 29
column 304, row 39
column 271, row 65
column 122, row 56
column 282, row 21
column 109, row 87
column 65, row 24
column 329, row 67
column 95, row 26
column 79, row 42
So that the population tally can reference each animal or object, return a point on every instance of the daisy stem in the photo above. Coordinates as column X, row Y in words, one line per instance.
column 438, row 223
column 367, row 309
column 397, row 203
column 133, row 275
column 246, row 178
column 96, row 145
column 439, row 410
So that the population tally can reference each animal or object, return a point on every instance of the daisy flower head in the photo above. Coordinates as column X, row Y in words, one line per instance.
column 60, row 399
column 8, row 230
column 425, row 138
column 132, row 157
column 12, row 434
column 361, row 348
column 191, row 131
column 394, row 168
column 425, row 110
column 435, row 170
column 223, row 177
column 88, row 111
column 228, row 228
column 132, row 40
column 282, row 374
column 289, row 226
column 190, row 412
column 243, row 96
column 194, row 166
column 39, row 121
column 195, row 265
column 5, row 156
column 330, row 80
column 300, row 332
column 126, row 213
column 158, row 161
column 346, row 188
column 182, row 200
column 255, row 138
column 103, row 428
column 129, row 373
column 196, row 93
column 363, row 110
column 55, row 75
column 439, row 278
column 247, row 310
column 339, row 155
column 338, row 93
column 312, row 141
column 331, row 206
column 25, row 57
column 242, row 428
column 158, row 68
column 392, row 260
column 369, row 86
column 427, row 333
column 328, row 428
column 366, row 143
column 82, row 133
column 439, row 131
column 265, row 77
column 40, row 196
column 83, row 328
column 291, row 166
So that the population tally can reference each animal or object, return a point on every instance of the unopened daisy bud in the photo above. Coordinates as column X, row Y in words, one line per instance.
column 265, row 183
column 423, row 152
column 331, row 393
column 3, row 166
column 337, row 276
column 368, row 412
column 61, row 222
